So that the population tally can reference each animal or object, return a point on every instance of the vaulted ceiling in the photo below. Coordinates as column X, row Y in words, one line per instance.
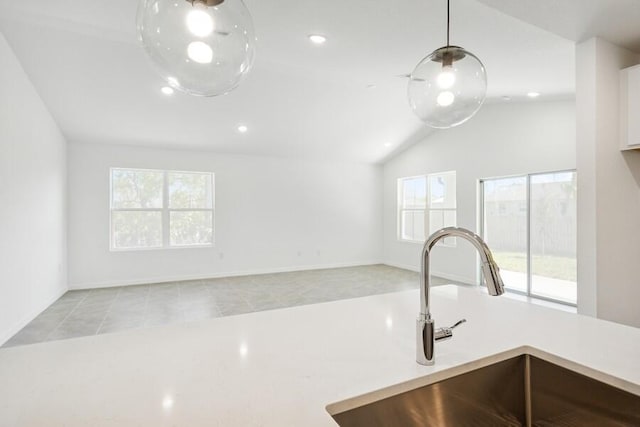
column 342, row 100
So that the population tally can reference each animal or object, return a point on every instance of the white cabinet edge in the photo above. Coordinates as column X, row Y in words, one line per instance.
column 629, row 136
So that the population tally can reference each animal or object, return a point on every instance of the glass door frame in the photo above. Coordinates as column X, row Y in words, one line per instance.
column 481, row 227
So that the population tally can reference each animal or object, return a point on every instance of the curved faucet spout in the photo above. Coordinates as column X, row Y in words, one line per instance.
column 426, row 333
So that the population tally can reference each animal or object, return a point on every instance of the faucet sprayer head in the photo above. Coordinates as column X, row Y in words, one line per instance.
column 492, row 278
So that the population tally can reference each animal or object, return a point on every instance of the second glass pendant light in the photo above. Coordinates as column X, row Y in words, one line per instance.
column 447, row 87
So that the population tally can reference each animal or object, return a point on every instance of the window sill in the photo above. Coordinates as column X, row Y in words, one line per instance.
column 118, row 250
column 418, row 242
column 544, row 303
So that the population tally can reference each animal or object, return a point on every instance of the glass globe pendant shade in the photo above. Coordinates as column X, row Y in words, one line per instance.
column 447, row 87
column 202, row 47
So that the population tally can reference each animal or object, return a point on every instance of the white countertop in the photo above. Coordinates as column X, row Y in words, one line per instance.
column 282, row 367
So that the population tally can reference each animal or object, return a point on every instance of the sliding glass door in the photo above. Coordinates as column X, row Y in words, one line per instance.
column 505, row 227
column 529, row 223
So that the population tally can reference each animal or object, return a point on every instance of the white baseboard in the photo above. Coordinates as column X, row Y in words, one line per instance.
column 179, row 278
column 454, row 277
column 447, row 276
column 16, row 327
column 403, row 266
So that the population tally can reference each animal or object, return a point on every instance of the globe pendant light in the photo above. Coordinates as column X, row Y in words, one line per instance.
column 202, row 47
column 447, row 87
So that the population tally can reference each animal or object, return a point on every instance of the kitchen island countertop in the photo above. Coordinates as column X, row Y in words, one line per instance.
column 282, row 367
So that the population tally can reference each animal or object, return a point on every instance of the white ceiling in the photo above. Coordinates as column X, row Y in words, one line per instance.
column 299, row 100
column 617, row 21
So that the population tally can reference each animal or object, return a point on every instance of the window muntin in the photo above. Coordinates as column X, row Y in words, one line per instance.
column 152, row 209
column 413, row 204
column 442, row 204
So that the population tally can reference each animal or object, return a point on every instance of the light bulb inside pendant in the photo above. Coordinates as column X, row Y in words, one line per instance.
column 447, row 78
column 200, row 52
column 445, row 98
column 199, row 22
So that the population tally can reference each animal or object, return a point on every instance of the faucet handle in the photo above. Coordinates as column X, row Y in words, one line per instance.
column 446, row 333
column 458, row 323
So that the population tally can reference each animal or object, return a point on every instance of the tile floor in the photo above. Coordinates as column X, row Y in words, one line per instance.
column 106, row 310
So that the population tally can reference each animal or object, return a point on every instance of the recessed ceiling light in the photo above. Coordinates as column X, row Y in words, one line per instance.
column 167, row 403
column 242, row 129
column 167, row 90
column 244, row 350
column 317, row 38
column 388, row 144
column 506, row 98
column 533, row 94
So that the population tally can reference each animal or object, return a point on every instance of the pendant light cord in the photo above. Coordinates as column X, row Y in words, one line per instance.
column 448, row 20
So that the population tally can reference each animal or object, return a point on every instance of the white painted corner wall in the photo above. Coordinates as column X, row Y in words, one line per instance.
column 33, row 256
column 501, row 140
column 608, row 189
column 271, row 214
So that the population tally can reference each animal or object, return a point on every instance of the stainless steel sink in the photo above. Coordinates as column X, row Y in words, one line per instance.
column 520, row 391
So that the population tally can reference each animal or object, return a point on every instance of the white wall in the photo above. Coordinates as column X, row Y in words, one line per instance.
column 33, row 200
column 501, row 140
column 271, row 215
column 608, row 189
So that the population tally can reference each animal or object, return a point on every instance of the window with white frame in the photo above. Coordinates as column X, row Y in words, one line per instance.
column 530, row 223
column 412, row 202
column 153, row 209
column 425, row 204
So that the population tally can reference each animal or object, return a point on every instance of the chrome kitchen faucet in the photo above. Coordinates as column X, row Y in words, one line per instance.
column 426, row 333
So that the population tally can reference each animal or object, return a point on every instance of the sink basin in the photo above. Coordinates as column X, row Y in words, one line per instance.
column 524, row 390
